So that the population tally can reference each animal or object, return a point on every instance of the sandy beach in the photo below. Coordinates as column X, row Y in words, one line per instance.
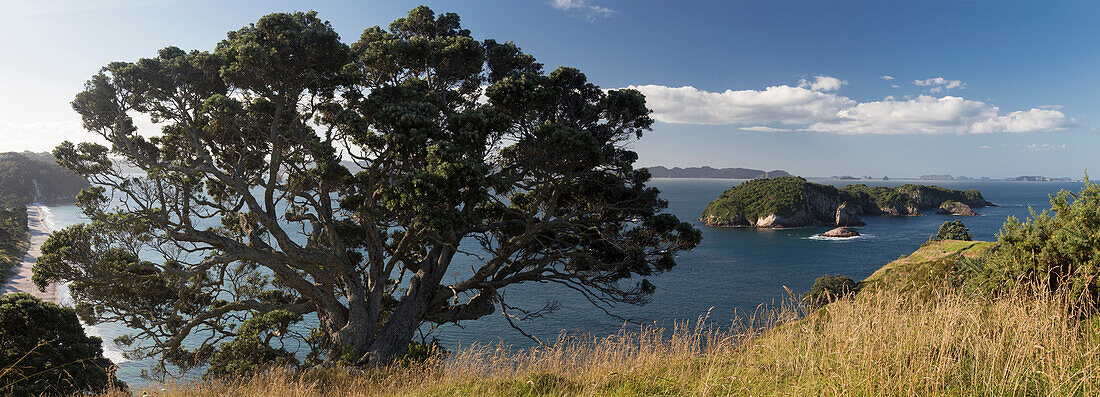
column 20, row 281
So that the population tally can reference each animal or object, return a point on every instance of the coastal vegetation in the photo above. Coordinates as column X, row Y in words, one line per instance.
column 242, row 221
column 760, row 198
column 28, row 177
column 914, row 327
column 794, row 201
column 13, row 235
column 44, row 351
column 952, row 230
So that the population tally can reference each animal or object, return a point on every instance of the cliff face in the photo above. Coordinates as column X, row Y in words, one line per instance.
column 795, row 202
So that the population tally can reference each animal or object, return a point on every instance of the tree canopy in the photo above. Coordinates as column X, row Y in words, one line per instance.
column 43, row 350
column 294, row 175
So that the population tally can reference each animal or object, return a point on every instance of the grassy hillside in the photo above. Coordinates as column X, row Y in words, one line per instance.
column 885, row 341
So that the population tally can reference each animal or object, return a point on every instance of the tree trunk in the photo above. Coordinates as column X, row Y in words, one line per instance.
column 393, row 339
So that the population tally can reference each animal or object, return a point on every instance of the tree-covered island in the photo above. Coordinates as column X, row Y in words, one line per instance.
column 794, row 202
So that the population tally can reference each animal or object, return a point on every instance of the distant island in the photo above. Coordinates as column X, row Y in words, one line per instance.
column 1042, row 179
column 794, row 202
column 710, row 172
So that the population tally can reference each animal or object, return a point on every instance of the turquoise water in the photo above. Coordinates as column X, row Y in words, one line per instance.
column 733, row 271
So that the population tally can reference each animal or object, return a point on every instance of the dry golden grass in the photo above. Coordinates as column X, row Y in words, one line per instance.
column 883, row 342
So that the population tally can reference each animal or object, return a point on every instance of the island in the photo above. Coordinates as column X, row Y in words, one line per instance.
column 1036, row 178
column 795, row 202
column 710, row 172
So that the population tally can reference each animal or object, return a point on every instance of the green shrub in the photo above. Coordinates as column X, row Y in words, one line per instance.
column 1058, row 249
column 43, row 350
column 952, row 230
column 829, row 288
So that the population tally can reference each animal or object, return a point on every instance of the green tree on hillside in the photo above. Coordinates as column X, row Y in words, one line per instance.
column 1058, row 248
column 952, row 230
column 43, row 350
column 245, row 218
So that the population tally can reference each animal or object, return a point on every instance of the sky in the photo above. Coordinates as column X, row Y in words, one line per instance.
column 818, row 88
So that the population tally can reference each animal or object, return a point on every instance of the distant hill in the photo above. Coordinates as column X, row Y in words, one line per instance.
column 29, row 177
column 710, row 172
column 1035, row 178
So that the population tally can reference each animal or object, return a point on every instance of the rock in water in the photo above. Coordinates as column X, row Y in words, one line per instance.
column 955, row 208
column 840, row 232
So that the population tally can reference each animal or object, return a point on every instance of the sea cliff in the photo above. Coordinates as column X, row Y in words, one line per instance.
column 795, row 202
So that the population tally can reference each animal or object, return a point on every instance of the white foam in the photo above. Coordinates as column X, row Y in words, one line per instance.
column 841, row 239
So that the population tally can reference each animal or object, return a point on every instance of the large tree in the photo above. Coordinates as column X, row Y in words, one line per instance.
column 244, row 218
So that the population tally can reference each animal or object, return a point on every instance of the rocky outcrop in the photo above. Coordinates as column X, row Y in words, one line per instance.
column 847, row 215
column 955, row 208
column 840, row 232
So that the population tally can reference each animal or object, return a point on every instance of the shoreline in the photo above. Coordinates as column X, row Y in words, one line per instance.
column 20, row 278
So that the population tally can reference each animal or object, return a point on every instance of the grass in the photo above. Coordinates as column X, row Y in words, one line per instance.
column 886, row 340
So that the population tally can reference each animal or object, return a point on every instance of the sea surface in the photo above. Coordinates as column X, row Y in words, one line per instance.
column 733, row 272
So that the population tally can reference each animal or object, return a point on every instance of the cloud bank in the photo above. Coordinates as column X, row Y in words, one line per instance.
column 814, row 106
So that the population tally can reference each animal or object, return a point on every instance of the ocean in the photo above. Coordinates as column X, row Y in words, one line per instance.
column 731, row 273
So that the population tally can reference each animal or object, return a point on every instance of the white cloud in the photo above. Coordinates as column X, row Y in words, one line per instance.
column 822, row 83
column 939, row 84
column 895, row 86
column 582, row 9
column 807, row 109
column 777, row 104
column 1034, row 120
column 886, row 77
column 930, row 115
column 1046, row 147
column 762, row 128
column 985, row 147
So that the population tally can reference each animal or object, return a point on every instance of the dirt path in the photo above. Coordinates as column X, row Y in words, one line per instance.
column 20, row 281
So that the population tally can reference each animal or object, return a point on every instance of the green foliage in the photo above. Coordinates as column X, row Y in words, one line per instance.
column 13, row 234
column 26, row 177
column 43, row 350
column 419, row 352
column 785, row 196
column 829, row 288
column 251, row 351
column 226, row 225
column 952, row 230
column 761, row 197
column 1058, row 248
column 877, row 196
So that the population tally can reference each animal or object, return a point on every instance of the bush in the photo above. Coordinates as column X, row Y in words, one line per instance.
column 43, row 350
column 953, row 230
column 1058, row 248
column 829, row 288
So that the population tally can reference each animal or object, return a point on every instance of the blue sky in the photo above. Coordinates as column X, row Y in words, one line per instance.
column 978, row 88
